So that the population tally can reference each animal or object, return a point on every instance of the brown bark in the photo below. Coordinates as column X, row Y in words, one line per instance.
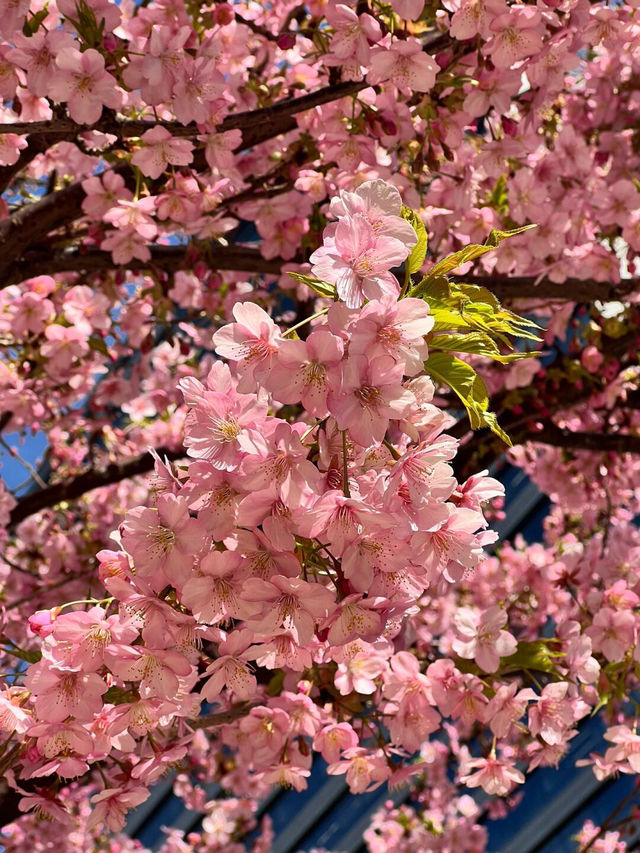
column 269, row 118
column 571, row 290
column 167, row 258
column 74, row 487
column 597, row 442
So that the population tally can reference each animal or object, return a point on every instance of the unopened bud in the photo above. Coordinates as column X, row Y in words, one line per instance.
column 286, row 41
column 223, row 14
column 110, row 42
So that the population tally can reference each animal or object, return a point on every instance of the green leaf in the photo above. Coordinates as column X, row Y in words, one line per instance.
column 473, row 251
column 496, row 237
column 25, row 655
column 467, row 307
column 322, row 288
column 530, row 655
column 120, row 695
column 499, row 199
column 476, row 343
column 437, row 293
column 470, row 388
column 275, row 684
column 99, row 345
column 419, row 251
column 457, row 259
column 32, row 25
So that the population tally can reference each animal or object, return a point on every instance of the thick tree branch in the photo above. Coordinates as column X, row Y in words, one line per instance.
column 571, row 290
column 74, row 487
column 598, row 442
column 166, row 258
column 122, row 127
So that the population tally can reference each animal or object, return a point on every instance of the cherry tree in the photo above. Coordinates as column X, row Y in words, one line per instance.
column 280, row 285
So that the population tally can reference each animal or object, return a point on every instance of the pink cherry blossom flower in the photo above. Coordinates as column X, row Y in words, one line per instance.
column 221, row 425
column 82, row 639
column 389, row 327
column 289, row 603
column 287, row 776
column 627, row 748
column 302, row 370
column 352, row 32
column 356, row 618
column 112, row 804
column 63, row 345
column 552, row 715
column 162, row 540
column 103, row 193
column 37, row 55
column 494, row 776
column 410, row 10
column 331, row 740
column 10, row 147
column 612, row 632
column 63, row 693
column 13, row 717
column 63, row 747
column 134, row 215
column 232, row 673
column 252, row 341
column 506, row 707
column 479, row 636
column 86, row 310
column 357, row 260
column 381, row 205
column 451, row 547
column 125, row 245
column 160, row 149
column 517, row 36
column 405, row 64
column 32, row 315
column 365, row 771
column 215, row 595
column 370, row 395
column 219, row 150
column 156, row 72
column 358, row 671
column 157, row 671
column 264, row 731
column 198, row 84
column 84, row 84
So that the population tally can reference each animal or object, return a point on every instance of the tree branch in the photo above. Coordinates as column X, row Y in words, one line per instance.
column 74, row 487
column 571, row 290
column 125, row 128
column 34, row 221
column 598, row 442
column 209, row 721
column 167, row 258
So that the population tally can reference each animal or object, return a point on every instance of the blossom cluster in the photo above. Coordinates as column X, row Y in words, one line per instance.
column 315, row 569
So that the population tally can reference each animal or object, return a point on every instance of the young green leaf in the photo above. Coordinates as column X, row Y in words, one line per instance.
column 470, row 388
column 322, row 288
column 419, row 251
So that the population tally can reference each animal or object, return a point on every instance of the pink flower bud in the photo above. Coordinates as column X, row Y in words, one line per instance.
column 223, row 14
column 591, row 359
column 110, row 42
column 509, row 126
column 286, row 41
column 41, row 622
